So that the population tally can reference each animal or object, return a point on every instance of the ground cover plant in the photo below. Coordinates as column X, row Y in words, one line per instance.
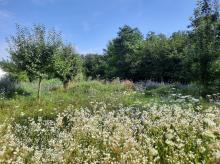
column 105, row 122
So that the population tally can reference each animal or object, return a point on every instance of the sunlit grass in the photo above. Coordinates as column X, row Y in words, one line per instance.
column 97, row 121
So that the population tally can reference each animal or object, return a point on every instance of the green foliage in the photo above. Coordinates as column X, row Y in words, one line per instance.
column 32, row 50
column 162, row 58
column 184, row 57
column 95, row 66
column 204, row 47
column 129, row 56
column 66, row 64
column 122, row 52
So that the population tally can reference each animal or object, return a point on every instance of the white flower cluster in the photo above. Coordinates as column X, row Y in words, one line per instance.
column 155, row 134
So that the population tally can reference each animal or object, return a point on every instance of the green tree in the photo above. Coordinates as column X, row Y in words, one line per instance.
column 66, row 64
column 95, row 66
column 204, row 46
column 179, row 69
column 122, row 51
column 32, row 50
column 162, row 58
column 154, row 58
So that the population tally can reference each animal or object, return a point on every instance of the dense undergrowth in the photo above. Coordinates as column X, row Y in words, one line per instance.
column 103, row 122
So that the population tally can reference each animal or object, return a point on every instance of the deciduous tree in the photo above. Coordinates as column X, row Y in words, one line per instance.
column 32, row 50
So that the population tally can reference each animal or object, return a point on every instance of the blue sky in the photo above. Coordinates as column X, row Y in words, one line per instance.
column 90, row 24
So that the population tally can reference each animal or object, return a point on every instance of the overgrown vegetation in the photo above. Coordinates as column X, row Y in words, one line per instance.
column 98, row 121
column 146, row 100
column 185, row 56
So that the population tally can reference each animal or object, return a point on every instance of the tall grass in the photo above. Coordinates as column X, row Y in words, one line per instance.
column 107, row 122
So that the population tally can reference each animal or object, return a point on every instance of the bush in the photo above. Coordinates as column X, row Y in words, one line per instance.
column 7, row 86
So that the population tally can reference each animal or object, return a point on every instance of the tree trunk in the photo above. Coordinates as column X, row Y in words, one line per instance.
column 39, row 88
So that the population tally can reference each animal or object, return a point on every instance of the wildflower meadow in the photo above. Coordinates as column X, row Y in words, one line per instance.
column 179, row 129
column 75, row 90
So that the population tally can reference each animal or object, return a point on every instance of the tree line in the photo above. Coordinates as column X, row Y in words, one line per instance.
column 184, row 57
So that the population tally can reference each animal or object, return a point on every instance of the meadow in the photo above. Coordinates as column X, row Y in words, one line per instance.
column 108, row 122
column 151, row 97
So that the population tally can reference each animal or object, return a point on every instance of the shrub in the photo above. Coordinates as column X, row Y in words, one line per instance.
column 7, row 86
